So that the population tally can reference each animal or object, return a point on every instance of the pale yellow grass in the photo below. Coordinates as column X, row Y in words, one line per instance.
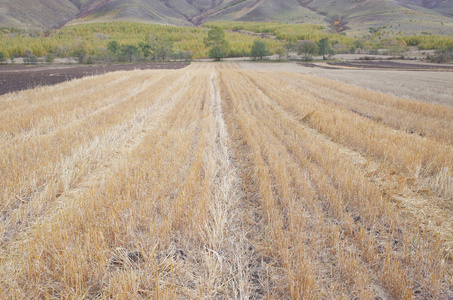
column 216, row 182
column 426, row 86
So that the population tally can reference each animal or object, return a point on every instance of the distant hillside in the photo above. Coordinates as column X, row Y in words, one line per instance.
column 36, row 14
column 353, row 16
column 266, row 10
column 406, row 16
column 444, row 7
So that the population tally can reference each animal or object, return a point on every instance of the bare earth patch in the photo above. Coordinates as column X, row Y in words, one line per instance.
column 17, row 78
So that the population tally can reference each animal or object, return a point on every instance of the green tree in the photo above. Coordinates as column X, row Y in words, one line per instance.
column 307, row 48
column 154, row 43
column 164, row 49
column 178, row 55
column 280, row 51
column 217, row 53
column 80, row 52
column 49, row 58
column 359, row 44
column 31, row 59
column 113, row 47
column 290, row 46
column 129, row 51
column 2, row 57
column 259, row 50
column 217, row 42
column 146, row 49
column 160, row 48
column 325, row 48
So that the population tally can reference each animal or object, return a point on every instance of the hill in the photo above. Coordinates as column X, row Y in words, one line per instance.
column 406, row 16
column 355, row 16
column 36, row 14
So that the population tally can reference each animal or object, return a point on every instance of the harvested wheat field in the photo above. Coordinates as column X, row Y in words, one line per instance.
column 428, row 86
column 215, row 182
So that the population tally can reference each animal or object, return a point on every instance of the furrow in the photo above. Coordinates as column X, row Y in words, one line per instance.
column 70, row 171
column 379, row 209
column 214, row 182
column 393, row 112
column 49, row 120
column 305, row 213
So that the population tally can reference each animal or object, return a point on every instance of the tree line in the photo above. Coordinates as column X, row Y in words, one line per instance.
column 219, row 47
column 128, row 42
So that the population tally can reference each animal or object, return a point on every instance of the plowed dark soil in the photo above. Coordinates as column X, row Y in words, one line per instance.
column 17, row 78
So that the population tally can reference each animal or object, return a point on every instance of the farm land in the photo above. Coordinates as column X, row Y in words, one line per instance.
column 16, row 78
column 229, row 180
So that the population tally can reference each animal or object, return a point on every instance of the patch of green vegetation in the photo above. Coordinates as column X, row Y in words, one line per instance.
column 233, row 4
column 9, row 30
column 284, row 32
column 430, row 41
column 96, row 36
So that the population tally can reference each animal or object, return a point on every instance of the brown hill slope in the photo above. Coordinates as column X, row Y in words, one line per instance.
column 36, row 13
column 408, row 16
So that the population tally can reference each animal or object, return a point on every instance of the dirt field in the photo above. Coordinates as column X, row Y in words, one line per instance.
column 17, row 78
column 215, row 182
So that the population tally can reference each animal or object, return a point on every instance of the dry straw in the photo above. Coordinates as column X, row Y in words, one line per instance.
column 215, row 182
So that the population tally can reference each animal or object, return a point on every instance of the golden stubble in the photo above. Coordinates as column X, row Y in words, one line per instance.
column 215, row 182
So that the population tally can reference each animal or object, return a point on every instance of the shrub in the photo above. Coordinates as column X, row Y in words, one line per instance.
column 80, row 52
column 259, row 50
column 442, row 54
column 308, row 49
column 31, row 60
column 129, row 52
column 49, row 58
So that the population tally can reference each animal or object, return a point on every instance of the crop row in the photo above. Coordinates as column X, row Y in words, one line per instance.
column 216, row 182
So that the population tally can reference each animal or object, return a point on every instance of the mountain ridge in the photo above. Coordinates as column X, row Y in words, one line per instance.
column 433, row 16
